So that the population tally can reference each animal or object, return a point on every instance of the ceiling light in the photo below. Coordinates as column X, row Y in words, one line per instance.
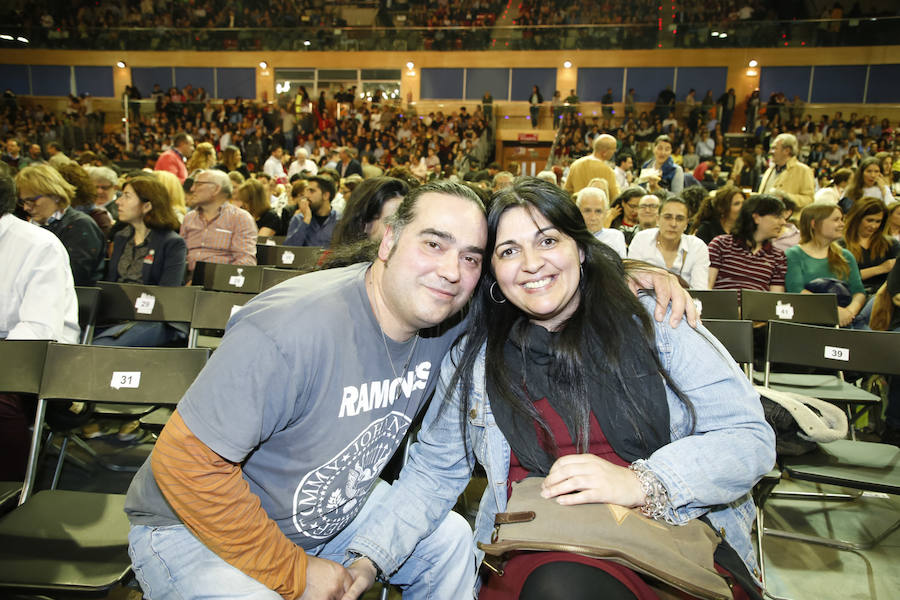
column 22, row 39
column 410, row 65
column 121, row 64
column 263, row 64
column 568, row 64
column 752, row 63
column 6, row 37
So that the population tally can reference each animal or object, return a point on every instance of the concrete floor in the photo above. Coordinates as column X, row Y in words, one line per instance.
column 796, row 571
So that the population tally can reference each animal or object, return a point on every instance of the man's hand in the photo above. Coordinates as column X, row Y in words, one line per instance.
column 363, row 572
column 325, row 580
column 666, row 287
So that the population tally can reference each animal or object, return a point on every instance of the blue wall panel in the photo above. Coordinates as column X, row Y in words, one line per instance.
column 701, row 79
column 50, row 80
column 523, row 79
column 143, row 78
column 442, row 84
column 479, row 81
column 198, row 77
column 593, row 83
column 96, row 81
column 884, row 84
column 15, row 78
column 648, row 82
column 838, row 83
column 234, row 82
column 791, row 81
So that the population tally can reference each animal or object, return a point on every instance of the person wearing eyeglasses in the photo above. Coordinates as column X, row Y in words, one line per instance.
column 47, row 198
column 667, row 246
column 648, row 212
column 215, row 231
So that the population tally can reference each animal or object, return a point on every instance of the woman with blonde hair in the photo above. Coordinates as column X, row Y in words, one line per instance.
column 252, row 197
column 47, row 198
column 174, row 191
column 231, row 161
column 204, row 157
column 819, row 263
column 892, row 229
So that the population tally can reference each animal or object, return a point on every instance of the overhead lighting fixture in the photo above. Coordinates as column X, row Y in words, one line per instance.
column 120, row 64
column 263, row 65
column 307, row 43
column 568, row 64
column 723, row 35
column 410, row 65
column 715, row 34
column 752, row 63
column 22, row 39
column 6, row 37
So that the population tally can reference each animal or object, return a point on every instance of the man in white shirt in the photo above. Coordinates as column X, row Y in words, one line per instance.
column 37, row 302
column 273, row 167
column 592, row 202
column 624, row 164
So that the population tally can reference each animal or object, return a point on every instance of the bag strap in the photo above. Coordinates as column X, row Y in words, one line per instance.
column 830, row 426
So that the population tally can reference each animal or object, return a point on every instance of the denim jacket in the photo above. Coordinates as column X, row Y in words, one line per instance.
column 709, row 472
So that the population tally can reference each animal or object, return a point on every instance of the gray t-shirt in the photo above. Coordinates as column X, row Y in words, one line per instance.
column 302, row 394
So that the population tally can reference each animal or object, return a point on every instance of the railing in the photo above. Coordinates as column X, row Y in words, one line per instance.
column 733, row 34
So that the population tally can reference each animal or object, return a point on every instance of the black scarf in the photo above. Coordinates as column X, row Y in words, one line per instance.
column 529, row 357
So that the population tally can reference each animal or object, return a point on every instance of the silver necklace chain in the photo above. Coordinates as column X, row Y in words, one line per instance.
column 384, row 337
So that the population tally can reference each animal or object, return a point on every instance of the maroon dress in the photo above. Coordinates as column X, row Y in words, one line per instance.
column 520, row 566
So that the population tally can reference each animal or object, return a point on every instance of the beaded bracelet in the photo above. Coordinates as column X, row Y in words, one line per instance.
column 656, row 498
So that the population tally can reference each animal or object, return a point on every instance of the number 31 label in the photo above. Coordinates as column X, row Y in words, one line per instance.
column 125, row 379
column 835, row 353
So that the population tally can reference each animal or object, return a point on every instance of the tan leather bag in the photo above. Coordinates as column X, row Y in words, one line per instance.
column 680, row 556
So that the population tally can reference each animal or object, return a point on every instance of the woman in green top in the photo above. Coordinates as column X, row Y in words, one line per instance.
column 819, row 256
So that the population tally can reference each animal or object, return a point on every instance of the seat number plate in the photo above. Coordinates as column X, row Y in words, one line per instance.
column 835, row 353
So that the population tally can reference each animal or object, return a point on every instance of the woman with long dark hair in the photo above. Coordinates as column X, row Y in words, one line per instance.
column 563, row 374
column 868, row 182
column 370, row 203
column 718, row 213
column 864, row 237
column 745, row 259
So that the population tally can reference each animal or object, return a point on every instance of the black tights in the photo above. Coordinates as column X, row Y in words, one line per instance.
column 573, row 581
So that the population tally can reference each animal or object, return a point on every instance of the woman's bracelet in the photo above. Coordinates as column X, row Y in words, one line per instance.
column 656, row 498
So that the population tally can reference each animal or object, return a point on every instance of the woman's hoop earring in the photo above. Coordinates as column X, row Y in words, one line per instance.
column 491, row 293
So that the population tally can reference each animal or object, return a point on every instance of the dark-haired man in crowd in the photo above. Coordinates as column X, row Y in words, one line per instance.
column 314, row 224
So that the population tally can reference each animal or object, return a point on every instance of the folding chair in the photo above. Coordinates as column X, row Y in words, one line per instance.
column 88, row 305
column 272, row 277
column 212, row 310
column 737, row 337
column 287, row 257
column 135, row 302
column 220, row 277
column 23, row 363
column 811, row 309
column 862, row 466
column 717, row 304
column 65, row 542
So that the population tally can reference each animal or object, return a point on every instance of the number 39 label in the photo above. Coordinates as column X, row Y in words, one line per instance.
column 125, row 379
column 835, row 353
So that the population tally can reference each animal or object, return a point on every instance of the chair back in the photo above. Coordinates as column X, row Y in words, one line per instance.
column 137, row 302
column 811, row 309
column 735, row 335
column 272, row 277
column 271, row 240
column 110, row 374
column 831, row 348
column 88, row 305
column 23, row 364
column 287, row 257
column 717, row 304
column 212, row 310
column 245, row 279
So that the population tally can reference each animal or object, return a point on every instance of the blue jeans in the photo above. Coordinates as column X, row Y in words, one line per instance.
column 170, row 563
column 138, row 334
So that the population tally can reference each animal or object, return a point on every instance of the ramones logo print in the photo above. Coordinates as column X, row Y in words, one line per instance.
column 329, row 497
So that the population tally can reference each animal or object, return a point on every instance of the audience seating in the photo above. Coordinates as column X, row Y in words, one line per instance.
column 137, row 302
column 288, row 257
column 64, row 542
column 212, row 310
column 88, row 305
column 271, row 240
column 811, row 309
column 737, row 337
column 220, row 277
column 717, row 304
column 272, row 277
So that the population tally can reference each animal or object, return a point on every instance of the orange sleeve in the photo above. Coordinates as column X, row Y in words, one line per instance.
column 209, row 494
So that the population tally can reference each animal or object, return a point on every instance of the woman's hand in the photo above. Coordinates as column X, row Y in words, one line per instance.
column 611, row 215
column 586, row 478
column 845, row 316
